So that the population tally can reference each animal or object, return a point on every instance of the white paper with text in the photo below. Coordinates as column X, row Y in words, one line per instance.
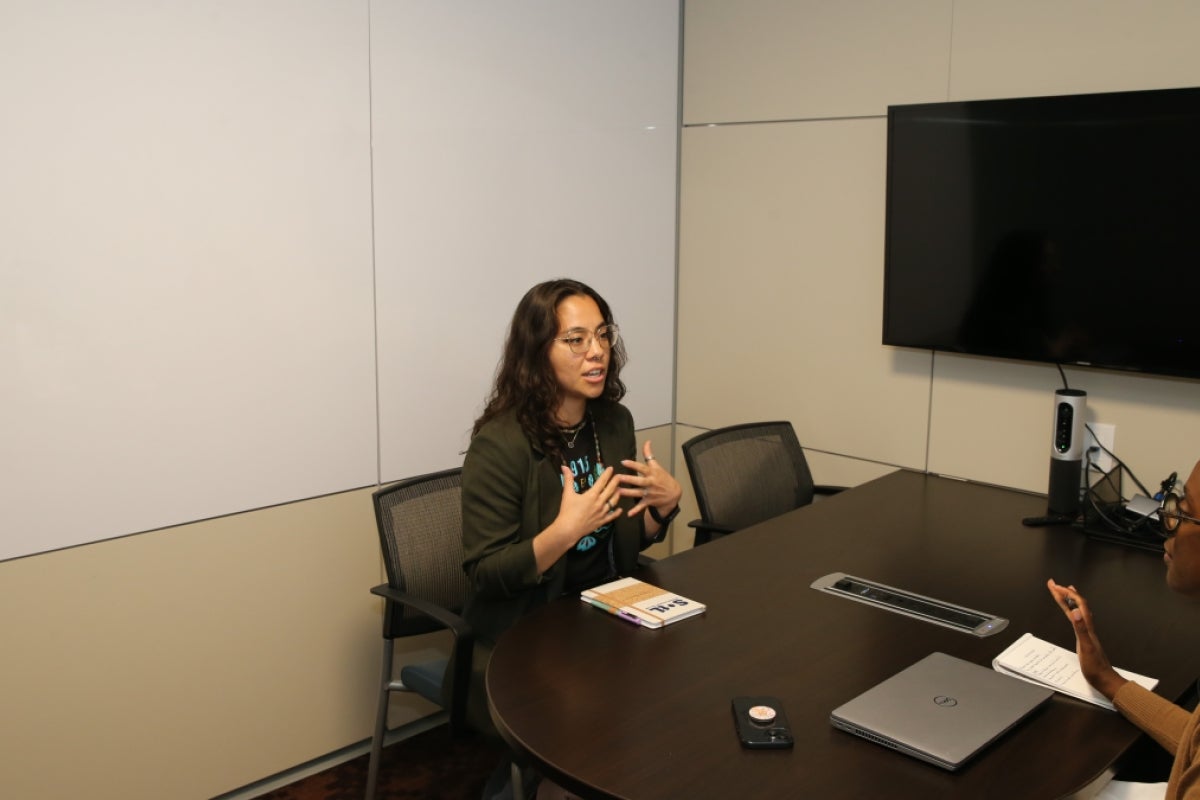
column 1038, row 661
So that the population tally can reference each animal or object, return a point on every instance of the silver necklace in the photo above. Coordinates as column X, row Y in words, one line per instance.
column 595, row 438
column 574, row 432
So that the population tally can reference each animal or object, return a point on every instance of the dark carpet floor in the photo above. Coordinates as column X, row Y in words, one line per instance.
column 429, row 766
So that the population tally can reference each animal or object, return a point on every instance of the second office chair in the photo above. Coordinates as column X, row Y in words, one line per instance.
column 745, row 474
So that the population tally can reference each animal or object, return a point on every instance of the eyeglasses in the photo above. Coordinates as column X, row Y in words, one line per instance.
column 580, row 341
column 1169, row 515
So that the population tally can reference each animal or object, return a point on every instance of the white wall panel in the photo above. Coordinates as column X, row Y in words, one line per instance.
column 190, row 301
column 185, row 280
column 513, row 146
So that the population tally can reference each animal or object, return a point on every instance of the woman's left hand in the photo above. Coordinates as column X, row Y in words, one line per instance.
column 650, row 484
column 1093, row 663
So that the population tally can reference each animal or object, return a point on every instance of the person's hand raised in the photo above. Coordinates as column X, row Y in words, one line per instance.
column 1092, row 660
column 650, row 484
column 582, row 513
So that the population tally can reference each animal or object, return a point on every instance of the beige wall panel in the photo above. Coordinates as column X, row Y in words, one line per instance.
column 757, row 60
column 663, row 446
column 193, row 661
column 781, row 287
column 834, row 470
column 683, row 536
column 1157, row 421
column 1032, row 47
column 992, row 420
column 188, row 662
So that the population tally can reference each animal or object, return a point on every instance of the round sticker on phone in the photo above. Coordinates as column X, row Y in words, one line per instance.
column 761, row 713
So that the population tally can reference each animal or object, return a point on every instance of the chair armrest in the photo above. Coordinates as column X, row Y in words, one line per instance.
column 711, row 527
column 458, row 625
column 826, row 490
column 705, row 530
column 464, row 647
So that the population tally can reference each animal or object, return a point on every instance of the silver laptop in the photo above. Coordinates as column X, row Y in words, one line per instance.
column 942, row 709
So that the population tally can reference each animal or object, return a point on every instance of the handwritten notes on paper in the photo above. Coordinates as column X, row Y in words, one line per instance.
column 1037, row 661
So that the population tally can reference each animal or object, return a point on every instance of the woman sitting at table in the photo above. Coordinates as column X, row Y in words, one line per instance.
column 554, row 498
column 1171, row 726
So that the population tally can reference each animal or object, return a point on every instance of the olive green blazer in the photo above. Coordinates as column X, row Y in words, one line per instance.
column 511, row 492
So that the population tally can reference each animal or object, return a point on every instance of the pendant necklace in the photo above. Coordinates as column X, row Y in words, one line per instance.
column 574, row 432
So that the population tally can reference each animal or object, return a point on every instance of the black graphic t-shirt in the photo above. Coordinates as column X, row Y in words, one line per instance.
column 590, row 561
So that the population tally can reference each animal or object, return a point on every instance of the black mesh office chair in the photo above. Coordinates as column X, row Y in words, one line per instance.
column 745, row 474
column 420, row 532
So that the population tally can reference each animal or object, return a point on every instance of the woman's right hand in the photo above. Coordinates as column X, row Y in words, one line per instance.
column 1092, row 660
column 580, row 514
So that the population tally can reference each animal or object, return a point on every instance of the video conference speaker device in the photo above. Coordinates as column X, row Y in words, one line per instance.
column 1066, row 451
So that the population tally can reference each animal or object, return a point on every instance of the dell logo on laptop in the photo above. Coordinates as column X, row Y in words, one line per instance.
column 943, row 700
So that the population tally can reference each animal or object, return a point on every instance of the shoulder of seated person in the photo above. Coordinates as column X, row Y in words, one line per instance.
column 500, row 428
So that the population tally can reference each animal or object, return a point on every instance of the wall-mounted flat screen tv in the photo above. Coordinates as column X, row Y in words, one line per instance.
column 1053, row 229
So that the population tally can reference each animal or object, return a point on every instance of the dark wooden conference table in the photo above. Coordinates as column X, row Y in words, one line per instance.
column 611, row 710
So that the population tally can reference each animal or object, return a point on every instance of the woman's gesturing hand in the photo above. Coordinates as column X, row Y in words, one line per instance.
column 583, row 513
column 1092, row 660
column 650, row 484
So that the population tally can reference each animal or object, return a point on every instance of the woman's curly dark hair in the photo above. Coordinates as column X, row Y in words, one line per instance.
column 525, row 380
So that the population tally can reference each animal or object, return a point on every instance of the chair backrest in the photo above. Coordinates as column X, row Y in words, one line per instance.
column 745, row 474
column 420, row 533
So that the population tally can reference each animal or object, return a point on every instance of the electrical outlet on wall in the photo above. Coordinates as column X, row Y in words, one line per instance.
column 1104, row 435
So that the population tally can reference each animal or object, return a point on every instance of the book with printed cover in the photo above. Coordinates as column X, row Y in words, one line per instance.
column 641, row 603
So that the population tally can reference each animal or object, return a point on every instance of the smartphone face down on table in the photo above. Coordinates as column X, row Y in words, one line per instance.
column 761, row 722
